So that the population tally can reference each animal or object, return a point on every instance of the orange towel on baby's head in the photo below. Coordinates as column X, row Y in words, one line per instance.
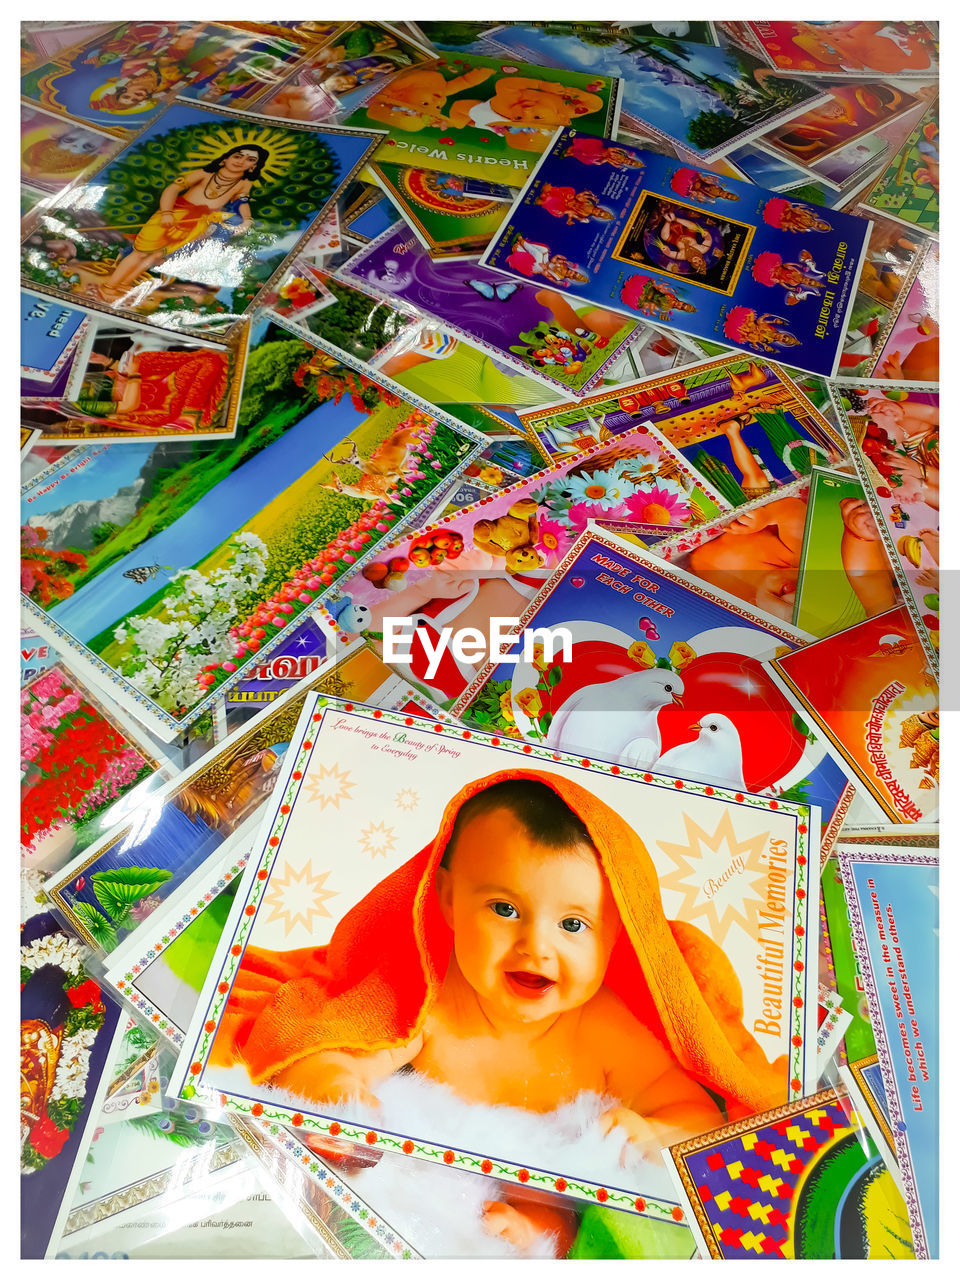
column 373, row 984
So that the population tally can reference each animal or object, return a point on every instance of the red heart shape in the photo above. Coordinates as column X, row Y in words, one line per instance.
column 446, row 142
column 576, row 582
column 737, row 687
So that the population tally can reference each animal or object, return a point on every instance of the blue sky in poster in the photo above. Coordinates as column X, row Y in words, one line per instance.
column 910, row 892
column 722, row 266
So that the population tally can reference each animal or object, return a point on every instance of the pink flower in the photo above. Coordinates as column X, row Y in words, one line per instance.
column 581, row 512
column 659, row 505
column 554, row 537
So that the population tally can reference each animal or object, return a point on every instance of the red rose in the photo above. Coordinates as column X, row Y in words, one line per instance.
column 486, row 1167
column 407, row 1148
column 560, row 1184
column 46, row 1139
column 602, row 1195
column 257, row 1109
column 524, row 1175
column 334, row 1129
column 448, row 1157
column 87, row 993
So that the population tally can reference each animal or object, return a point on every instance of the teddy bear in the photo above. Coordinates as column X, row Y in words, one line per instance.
column 415, row 99
column 511, row 537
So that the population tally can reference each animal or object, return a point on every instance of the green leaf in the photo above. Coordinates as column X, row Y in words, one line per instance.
column 545, row 721
column 554, row 676
column 102, row 930
column 117, row 890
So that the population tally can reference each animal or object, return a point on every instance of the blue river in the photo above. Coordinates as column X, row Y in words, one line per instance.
column 218, row 514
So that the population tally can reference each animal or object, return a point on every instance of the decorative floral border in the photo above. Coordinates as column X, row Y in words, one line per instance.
column 280, row 1138
column 191, row 1064
column 845, row 859
column 125, row 983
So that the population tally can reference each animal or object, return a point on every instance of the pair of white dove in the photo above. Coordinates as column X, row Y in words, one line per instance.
column 617, row 721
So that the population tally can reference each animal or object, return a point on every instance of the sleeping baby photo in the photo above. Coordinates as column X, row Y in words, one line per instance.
column 518, row 987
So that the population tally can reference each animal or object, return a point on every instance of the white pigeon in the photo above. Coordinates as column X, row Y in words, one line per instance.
column 617, row 721
column 715, row 755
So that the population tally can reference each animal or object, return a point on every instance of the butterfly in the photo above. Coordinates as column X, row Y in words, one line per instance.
column 141, row 574
column 500, row 292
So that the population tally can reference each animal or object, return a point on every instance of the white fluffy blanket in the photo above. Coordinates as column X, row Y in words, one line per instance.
column 439, row 1210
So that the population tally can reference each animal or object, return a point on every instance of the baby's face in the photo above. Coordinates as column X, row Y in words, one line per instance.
column 533, row 926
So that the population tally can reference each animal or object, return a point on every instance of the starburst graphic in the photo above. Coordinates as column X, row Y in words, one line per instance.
column 722, row 879
column 406, row 799
column 378, row 839
column 296, row 896
column 329, row 785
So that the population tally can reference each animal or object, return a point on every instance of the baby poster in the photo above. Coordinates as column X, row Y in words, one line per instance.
column 530, row 934
column 871, row 694
column 485, row 117
column 717, row 258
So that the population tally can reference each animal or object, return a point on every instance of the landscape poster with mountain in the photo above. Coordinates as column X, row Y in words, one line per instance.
column 169, row 570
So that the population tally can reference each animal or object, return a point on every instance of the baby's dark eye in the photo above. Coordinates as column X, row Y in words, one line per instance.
column 573, row 924
column 506, row 910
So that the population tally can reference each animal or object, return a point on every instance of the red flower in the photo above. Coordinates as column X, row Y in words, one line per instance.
column 371, row 1137
column 296, row 1120
column 639, row 1204
column 602, row 1194
column 486, row 1167
column 407, row 1148
column 257, row 1109
column 797, row 1041
column 795, row 1085
column 334, row 1129
column 798, row 965
column 560, row 1184
column 524, row 1175
column 210, row 1027
column 676, row 1213
column 46, row 1139
column 448, row 1157
column 88, row 993
column 798, row 1002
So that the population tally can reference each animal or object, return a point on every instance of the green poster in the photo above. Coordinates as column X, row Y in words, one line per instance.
column 485, row 117
column 450, row 223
